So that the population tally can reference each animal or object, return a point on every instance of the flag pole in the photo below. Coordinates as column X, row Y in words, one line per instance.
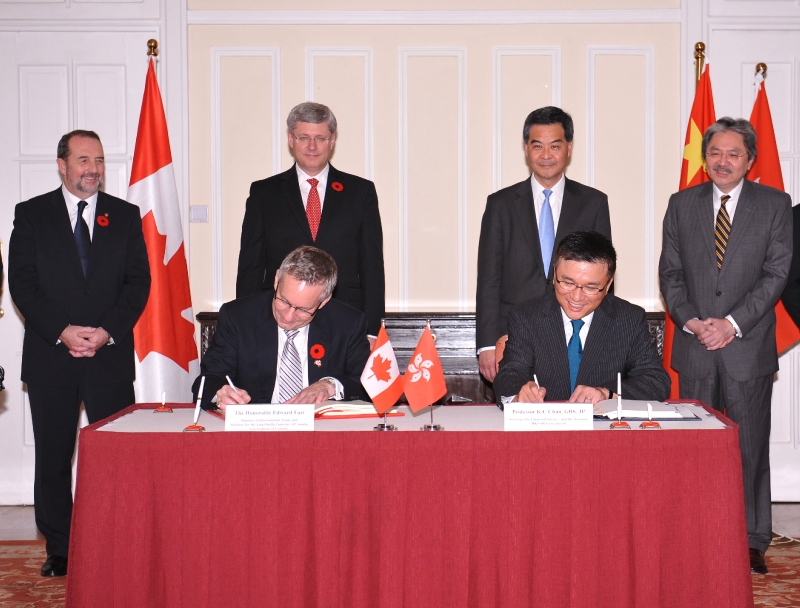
column 431, row 426
column 384, row 426
column 699, row 60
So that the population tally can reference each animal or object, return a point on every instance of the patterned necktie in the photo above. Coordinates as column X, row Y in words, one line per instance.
column 291, row 376
column 722, row 230
column 313, row 208
column 547, row 232
column 574, row 352
column 82, row 239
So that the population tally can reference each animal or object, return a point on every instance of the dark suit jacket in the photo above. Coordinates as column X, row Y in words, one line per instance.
column 791, row 293
column 48, row 287
column 618, row 342
column 245, row 347
column 747, row 287
column 275, row 223
column 509, row 254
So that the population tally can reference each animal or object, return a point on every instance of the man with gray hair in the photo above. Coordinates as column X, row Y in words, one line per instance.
column 315, row 204
column 308, row 348
column 726, row 252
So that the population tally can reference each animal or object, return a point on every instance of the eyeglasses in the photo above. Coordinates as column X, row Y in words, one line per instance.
column 716, row 155
column 284, row 306
column 569, row 287
column 305, row 139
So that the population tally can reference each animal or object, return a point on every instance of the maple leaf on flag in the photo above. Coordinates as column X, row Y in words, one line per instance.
column 380, row 367
column 163, row 329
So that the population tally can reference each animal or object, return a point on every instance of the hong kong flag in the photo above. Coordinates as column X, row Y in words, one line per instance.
column 423, row 382
column 166, row 353
column 381, row 376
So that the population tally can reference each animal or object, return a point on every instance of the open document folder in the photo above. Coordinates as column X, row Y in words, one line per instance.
column 350, row 409
column 637, row 410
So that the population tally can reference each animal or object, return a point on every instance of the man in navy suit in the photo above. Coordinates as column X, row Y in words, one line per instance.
column 291, row 345
column 78, row 272
column 315, row 204
column 577, row 337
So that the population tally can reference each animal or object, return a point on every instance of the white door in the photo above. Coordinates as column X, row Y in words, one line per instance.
column 53, row 82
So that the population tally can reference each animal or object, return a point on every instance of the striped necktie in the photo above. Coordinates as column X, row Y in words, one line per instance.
column 722, row 230
column 291, row 376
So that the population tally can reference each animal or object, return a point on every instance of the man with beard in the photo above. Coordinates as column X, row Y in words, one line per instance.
column 78, row 272
column 727, row 248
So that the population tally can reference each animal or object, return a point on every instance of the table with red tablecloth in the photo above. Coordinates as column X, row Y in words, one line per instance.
column 456, row 518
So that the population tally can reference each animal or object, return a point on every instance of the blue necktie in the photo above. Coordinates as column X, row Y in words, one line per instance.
column 82, row 239
column 547, row 232
column 574, row 352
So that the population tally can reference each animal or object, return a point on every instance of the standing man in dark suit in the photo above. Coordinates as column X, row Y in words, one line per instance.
column 78, row 272
column 727, row 248
column 576, row 337
column 291, row 345
column 522, row 225
column 314, row 204
column 791, row 293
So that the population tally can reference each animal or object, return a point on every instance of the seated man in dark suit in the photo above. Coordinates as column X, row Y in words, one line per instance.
column 577, row 337
column 291, row 345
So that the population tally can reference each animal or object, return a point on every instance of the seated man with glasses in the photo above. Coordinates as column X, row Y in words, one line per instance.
column 577, row 337
column 291, row 345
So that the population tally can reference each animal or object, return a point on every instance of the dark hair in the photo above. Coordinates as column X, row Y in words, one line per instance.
column 587, row 246
column 739, row 125
column 62, row 151
column 549, row 115
column 311, row 112
column 310, row 265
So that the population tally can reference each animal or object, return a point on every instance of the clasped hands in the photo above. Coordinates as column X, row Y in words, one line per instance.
column 712, row 333
column 83, row 341
column 533, row 393
column 318, row 392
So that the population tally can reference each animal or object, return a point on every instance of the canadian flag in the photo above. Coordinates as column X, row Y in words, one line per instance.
column 423, row 382
column 381, row 376
column 166, row 353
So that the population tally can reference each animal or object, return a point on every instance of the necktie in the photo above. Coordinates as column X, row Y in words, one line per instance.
column 291, row 376
column 82, row 239
column 313, row 208
column 574, row 352
column 722, row 230
column 547, row 232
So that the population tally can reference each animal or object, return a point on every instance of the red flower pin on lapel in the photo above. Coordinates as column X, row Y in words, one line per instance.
column 317, row 352
column 102, row 219
column 337, row 186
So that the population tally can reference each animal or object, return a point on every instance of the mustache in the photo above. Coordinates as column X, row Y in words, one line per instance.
column 722, row 169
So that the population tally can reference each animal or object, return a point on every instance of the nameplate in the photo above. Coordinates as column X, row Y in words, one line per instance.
column 547, row 417
column 266, row 417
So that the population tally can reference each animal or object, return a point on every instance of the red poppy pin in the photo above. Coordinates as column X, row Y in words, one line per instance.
column 102, row 219
column 337, row 186
column 317, row 351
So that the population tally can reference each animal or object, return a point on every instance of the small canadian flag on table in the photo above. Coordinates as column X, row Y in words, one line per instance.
column 381, row 376
column 423, row 382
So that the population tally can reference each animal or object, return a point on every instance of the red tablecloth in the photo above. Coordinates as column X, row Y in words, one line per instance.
column 589, row 519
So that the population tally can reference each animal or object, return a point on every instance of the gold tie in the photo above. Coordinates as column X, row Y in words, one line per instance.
column 722, row 230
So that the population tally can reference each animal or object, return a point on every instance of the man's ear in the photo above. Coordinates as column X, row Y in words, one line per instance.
column 325, row 301
column 62, row 166
column 277, row 276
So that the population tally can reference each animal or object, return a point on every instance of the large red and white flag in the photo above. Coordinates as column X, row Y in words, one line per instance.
column 423, row 382
column 166, row 353
column 767, row 170
column 381, row 376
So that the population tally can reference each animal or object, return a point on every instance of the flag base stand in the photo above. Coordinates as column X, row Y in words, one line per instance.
column 385, row 427
column 620, row 425
column 650, row 425
column 432, row 427
column 194, row 428
column 162, row 409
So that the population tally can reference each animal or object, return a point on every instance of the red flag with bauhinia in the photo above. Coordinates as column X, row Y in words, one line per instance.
column 693, row 173
column 166, row 353
column 423, row 382
column 381, row 376
column 767, row 170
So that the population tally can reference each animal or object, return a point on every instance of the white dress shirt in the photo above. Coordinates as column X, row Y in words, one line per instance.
column 305, row 187
column 556, row 199
column 587, row 321
column 72, row 208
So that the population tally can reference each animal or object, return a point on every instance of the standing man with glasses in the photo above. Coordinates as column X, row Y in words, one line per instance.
column 522, row 225
column 577, row 337
column 726, row 252
column 291, row 345
column 315, row 204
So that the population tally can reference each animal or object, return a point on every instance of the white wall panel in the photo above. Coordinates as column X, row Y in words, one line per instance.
column 43, row 107
column 100, row 104
column 38, row 177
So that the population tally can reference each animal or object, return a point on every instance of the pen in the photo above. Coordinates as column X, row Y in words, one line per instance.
column 230, row 382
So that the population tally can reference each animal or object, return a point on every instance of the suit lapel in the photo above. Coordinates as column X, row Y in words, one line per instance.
column 704, row 221
column 526, row 216
column 266, row 344
column 570, row 212
column 318, row 333
column 102, row 236
column 333, row 202
column 65, row 235
column 741, row 220
column 596, row 339
column 293, row 198
column 555, row 339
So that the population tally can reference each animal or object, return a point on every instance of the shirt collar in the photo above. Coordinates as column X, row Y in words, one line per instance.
column 322, row 176
column 734, row 194
column 558, row 189
column 72, row 200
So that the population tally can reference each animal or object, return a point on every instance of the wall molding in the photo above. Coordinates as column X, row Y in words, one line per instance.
column 498, row 52
column 217, row 53
column 460, row 52
column 334, row 17
column 648, row 165
column 369, row 124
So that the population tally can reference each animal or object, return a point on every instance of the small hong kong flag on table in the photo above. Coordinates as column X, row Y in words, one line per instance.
column 381, row 376
column 423, row 382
